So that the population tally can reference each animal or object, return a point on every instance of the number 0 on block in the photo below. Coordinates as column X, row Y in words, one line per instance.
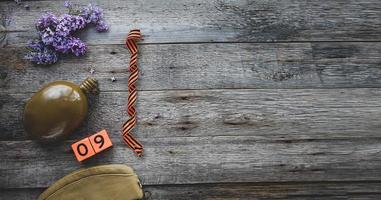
column 92, row 145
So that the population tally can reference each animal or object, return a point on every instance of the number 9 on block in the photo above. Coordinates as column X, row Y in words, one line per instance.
column 92, row 145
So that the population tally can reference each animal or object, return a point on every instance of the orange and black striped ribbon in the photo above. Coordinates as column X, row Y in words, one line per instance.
column 132, row 37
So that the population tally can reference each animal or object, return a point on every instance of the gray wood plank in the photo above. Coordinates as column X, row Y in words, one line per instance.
column 216, row 21
column 20, row 194
column 208, row 159
column 258, row 191
column 264, row 114
column 207, row 66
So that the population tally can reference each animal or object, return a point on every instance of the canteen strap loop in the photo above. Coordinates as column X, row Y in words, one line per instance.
column 132, row 37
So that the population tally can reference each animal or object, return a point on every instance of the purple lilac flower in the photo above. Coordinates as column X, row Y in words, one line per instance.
column 86, row 13
column 47, row 20
column 56, row 34
column 65, row 25
column 101, row 26
column 78, row 48
column 68, row 24
column 35, row 45
column 92, row 14
column 96, row 15
column 62, row 30
column 40, row 53
column 67, row 4
column 69, row 44
column 79, row 22
column 62, row 44
column 42, row 58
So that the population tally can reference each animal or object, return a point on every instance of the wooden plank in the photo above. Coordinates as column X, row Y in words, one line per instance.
column 213, row 159
column 263, row 114
column 267, row 191
column 215, row 21
column 206, row 66
column 258, row 191
column 20, row 194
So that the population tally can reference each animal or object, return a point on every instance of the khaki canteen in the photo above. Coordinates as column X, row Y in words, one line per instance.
column 57, row 109
column 116, row 182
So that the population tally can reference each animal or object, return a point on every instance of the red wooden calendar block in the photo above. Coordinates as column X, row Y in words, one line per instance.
column 83, row 149
column 92, row 145
column 100, row 141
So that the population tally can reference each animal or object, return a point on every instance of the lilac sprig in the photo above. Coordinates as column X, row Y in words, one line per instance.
column 93, row 14
column 47, row 20
column 101, row 26
column 56, row 33
column 40, row 53
column 67, row 4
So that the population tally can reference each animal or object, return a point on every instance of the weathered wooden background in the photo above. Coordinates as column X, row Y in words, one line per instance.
column 244, row 99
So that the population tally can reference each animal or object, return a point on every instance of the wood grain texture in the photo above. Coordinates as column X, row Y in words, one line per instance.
column 208, row 159
column 215, row 21
column 290, row 114
column 206, row 66
column 238, row 99
column 244, row 191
